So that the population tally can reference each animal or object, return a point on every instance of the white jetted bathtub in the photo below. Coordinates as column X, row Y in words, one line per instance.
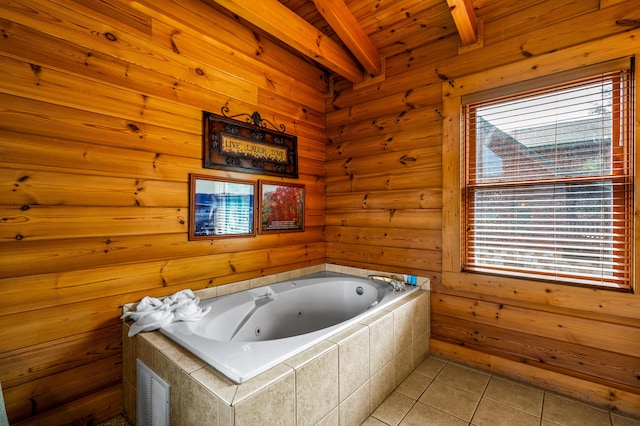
column 249, row 332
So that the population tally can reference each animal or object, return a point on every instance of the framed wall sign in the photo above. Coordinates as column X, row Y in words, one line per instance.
column 248, row 146
column 281, row 207
column 221, row 208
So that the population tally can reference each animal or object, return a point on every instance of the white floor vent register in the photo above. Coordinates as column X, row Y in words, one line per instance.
column 152, row 403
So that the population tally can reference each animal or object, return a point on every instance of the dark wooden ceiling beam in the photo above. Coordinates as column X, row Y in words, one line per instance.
column 279, row 21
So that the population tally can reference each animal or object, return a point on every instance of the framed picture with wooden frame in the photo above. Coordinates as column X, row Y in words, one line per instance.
column 221, row 207
column 281, row 207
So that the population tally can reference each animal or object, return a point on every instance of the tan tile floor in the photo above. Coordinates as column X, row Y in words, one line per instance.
column 444, row 393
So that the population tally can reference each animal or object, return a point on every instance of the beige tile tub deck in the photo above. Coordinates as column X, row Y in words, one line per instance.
column 337, row 382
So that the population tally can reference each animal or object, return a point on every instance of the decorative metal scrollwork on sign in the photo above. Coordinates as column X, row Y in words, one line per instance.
column 248, row 146
column 254, row 118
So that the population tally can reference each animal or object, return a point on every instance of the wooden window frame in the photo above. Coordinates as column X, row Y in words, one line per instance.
column 556, row 67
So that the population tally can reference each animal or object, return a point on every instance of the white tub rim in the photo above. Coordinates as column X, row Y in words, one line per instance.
column 236, row 359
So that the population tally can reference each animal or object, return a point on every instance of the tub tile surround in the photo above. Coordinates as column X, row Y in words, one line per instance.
column 317, row 387
column 339, row 381
column 353, row 359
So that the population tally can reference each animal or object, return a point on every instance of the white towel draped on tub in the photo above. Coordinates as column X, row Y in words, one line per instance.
column 152, row 313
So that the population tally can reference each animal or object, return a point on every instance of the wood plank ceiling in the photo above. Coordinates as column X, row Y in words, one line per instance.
column 349, row 37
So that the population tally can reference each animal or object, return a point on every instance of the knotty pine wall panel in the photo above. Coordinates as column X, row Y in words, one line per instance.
column 100, row 126
column 593, row 362
column 384, row 181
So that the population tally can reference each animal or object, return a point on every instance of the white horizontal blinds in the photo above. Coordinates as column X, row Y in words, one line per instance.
column 549, row 182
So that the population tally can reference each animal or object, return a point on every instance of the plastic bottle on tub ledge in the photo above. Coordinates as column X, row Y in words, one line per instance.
column 411, row 279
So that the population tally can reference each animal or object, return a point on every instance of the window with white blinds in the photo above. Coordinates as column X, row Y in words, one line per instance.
column 549, row 182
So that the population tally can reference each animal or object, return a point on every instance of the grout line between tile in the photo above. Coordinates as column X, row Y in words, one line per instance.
column 480, row 400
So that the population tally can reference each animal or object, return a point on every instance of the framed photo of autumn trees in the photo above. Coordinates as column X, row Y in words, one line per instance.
column 281, row 207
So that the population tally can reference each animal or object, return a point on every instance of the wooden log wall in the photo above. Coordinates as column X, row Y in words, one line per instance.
column 385, row 203
column 100, row 127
